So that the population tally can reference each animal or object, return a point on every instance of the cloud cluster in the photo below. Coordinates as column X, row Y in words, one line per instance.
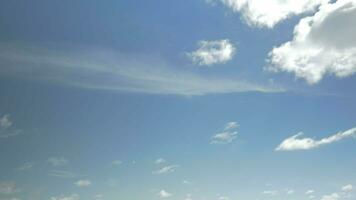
column 213, row 52
column 297, row 143
column 323, row 44
column 26, row 166
column 227, row 136
column 343, row 194
column 269, row 13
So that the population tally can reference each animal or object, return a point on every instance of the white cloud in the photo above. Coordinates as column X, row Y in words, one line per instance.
column 8, row 188
column 231, row 125
column 26, row 166
column 6, row 127
column 271, row 192
column 347, row 188
column 224, row 198
column 160, row 161
column 83, row 183
column 227, row 136
column 213, row 52
column 297, row 143
column 57, row 161
column 71, row 197
column 269, row 13
column 309, row 192
column 333, row 196
column 109, row 70
column 323, row 44
column 164, row 194
column 166, row 169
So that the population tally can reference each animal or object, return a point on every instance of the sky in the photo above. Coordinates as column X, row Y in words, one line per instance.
column 177, row 100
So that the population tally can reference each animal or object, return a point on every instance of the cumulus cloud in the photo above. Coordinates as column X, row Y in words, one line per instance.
column 8, row 188
column 213, row 52
column 70, row 197
column 166, row 169
column 83, row 183
column 26, row 166
column 297, row 143
column 347, row 188
column 109, row 70
column 6, row 127
column 323, row 44
column 57, row 161
column 227, row 136
column 269, row 13
column 333, row 196
column 164, row 194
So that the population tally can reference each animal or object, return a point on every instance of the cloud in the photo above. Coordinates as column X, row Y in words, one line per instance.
column 347, row 188
column 227, row 136
column 309, row 192
column 109, row 70
column 268, row 13
column 26, row 166
column 297, row 143
column 70, row 197
column 57, row 161
column 83, row 183
column 6, row 127
column 116, row 163
column 270, row 192
column 166, row 169
column 188, row 197
column 224, row 198
column 62, row 174
column 164, row 194
column 323, row 44
column 333, row 196
column 8, row 188
column 213, row 52
column 160, row 161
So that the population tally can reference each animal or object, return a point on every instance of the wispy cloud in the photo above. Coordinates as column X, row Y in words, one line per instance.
column 63, row 197
column 116, row 163
column 109, row 70
column 213, row 52
column 227, row 136
column 166, row 169
column 62, row 174
column 58, row 161
column 7, row 128
column 297, row 143
column 8, row 188
column 26, row 166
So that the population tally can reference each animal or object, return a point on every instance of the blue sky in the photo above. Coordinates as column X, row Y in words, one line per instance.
column 180, row 100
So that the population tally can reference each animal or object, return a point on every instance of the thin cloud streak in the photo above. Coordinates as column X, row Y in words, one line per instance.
column 109, row 70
